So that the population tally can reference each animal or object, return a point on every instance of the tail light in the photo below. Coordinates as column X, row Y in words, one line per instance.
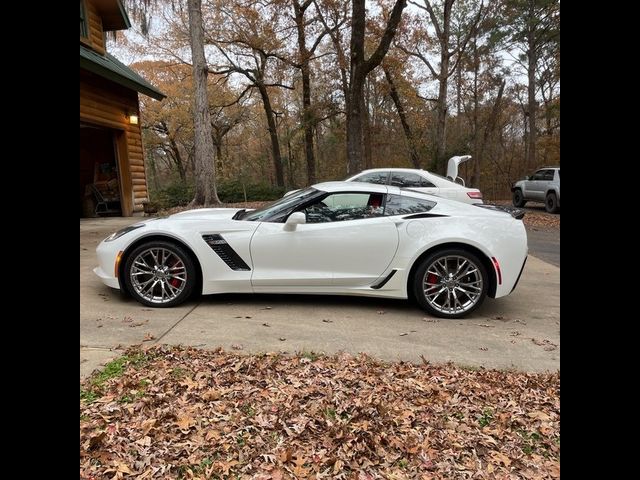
column 474, row 194
column 496, row 265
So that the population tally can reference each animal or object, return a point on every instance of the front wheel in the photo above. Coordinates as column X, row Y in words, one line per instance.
column 159, row 274
column 451, row 283
column 518, row 199
column 551, row 203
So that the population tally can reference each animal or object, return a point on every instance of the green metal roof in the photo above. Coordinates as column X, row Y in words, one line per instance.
column 109, row 67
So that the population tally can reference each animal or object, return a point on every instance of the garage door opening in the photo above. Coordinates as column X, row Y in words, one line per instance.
column 99, row 179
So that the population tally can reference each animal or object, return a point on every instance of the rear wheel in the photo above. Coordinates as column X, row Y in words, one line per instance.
column 551, row 203
column 159, row 274
column 451, row 283
column 518, row 199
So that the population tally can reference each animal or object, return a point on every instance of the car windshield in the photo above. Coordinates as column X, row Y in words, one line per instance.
column 278, row 206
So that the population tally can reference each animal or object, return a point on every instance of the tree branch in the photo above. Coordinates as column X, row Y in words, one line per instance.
column 387, row 37
column 434, row 19
column 421, row 57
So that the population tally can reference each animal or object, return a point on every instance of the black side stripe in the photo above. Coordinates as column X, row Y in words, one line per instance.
column 424, row 215
column 384, row 280
column 225, row 252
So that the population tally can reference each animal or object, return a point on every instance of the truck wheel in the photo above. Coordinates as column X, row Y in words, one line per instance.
column 518, row 198
column 551, row 203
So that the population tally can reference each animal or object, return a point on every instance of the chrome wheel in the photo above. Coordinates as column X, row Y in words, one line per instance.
column 452, row 284
column 158, row 275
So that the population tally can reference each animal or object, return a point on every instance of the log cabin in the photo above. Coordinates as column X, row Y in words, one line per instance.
column 112, row 173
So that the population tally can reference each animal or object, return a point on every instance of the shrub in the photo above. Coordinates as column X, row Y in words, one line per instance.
column 179, row 194
column 175, row 194
column 231, row 191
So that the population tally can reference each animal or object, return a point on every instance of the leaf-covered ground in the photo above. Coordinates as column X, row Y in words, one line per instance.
column 536, row 215
column 173, row 412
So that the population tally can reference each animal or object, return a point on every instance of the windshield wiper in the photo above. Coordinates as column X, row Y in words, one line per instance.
column 238, row 214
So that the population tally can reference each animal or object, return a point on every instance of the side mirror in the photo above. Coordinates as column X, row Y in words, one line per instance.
column 528, row 177
column 294, row 219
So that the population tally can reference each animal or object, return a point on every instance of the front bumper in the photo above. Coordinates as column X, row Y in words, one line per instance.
column 108, row 280
column 107, row 253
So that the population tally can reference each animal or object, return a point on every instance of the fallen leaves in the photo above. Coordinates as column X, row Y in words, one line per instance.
column 181, row 412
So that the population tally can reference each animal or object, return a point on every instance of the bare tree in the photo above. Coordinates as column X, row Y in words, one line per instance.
column 449, row 55
column 360, row 68
column 205, row 192
column 531, row 26
column 393, row 93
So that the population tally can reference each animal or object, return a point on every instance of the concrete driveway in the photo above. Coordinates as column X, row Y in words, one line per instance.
column 520, row 331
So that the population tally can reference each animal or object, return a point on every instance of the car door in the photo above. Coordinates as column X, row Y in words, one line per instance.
column 346, row 242
column 534, row 187
column 414, row 181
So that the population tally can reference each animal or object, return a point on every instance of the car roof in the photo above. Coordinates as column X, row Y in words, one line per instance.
column 330, row 187
column 389, row 169
column 355, row 187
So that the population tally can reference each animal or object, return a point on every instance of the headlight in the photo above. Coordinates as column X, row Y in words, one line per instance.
column 123, row 231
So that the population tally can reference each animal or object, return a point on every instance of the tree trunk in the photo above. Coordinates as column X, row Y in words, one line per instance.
column 308, row 120
column 206, row 193
column 366, row 125
column 532, row 104
column 441, row 125
column 443, row 85
column 178, row 159
column 355, row 140
column 273, row 134
column 359, row 69
column 488, row 130
column 475, row 179
column 393, row 92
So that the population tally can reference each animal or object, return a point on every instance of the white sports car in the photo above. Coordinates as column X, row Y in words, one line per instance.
column 333, row 238
column 422, row 181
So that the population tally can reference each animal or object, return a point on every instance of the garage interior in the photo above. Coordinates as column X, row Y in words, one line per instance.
column 99, row 179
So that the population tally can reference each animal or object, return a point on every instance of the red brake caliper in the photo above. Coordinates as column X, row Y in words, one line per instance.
column 431, row 278
column 174, row 281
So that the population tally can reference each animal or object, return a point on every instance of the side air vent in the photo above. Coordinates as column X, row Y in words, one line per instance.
column 384, row 280
column 225, row 252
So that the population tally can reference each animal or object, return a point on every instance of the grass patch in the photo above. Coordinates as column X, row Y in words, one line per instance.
column 178, row 372
column 531, row 441
column 486, row 417
column 330, row 413
column 113, row 369
column 313, row 356
column 116, row 368
column 88, row 396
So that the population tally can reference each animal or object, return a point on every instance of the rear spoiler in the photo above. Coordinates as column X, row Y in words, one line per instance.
column 517, row 213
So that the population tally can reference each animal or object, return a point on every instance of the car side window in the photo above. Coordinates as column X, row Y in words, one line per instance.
column 400, row 205
column 339, row 207
column 409, row 180
column 539, row 175
column 379, row 178
column 548, row 175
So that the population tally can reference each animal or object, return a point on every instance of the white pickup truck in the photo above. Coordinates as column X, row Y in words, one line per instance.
column 542, row 186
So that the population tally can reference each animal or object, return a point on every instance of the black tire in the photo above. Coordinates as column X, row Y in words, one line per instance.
column 189, row 268
column 551, row 203
column 470, row 305
column 518, row 198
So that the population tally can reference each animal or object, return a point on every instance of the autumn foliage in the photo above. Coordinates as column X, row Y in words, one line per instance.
column 171, row 412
